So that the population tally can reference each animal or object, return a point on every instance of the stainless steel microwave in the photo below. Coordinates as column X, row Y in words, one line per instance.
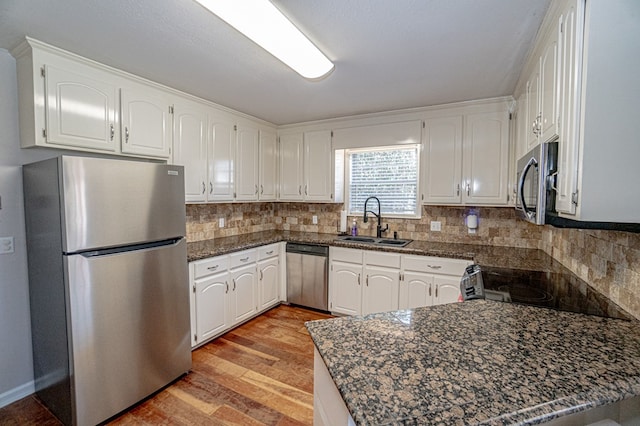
column 535, row 192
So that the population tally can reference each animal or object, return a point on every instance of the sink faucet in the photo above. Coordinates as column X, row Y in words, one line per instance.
column 379, row 229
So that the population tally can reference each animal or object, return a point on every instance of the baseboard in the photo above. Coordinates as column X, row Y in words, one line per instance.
column 15, row 394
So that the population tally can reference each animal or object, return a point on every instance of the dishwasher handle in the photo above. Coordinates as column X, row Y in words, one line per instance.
column 310, row 249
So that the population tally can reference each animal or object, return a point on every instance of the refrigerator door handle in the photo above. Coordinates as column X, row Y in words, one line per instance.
column 133, row 247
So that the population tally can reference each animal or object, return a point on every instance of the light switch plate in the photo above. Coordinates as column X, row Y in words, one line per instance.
column 314, row 219
column 436, row 226
column 221, row 222
column 6, row 245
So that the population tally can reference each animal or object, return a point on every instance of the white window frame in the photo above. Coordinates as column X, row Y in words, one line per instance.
column 347, row 173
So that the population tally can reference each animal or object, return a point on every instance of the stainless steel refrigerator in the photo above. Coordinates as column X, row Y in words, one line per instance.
column 108, row 283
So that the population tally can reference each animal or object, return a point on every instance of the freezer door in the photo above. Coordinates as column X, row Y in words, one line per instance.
column 109, row 203
column 129, row 327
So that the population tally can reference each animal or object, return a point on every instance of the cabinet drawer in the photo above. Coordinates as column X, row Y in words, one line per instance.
column 243, row 258
column 271, row 250
column 346, row 255
column 213, row 265
column 390, row 260
column 436, row 265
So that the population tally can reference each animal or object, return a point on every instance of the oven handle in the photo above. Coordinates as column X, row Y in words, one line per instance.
column 525, row 209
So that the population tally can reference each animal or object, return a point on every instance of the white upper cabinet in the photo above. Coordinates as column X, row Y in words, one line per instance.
column 291, row 169
column 190, row 147
column 533, row 109
column 69, row 102
column 486, row 158
column 442, row 160
column 567, row 181
column 318, row 176
column 80, row 110
column 549, row 88
column 221, row 156
column 466, row 156
column 268, row 158
column 146, row 122
column 247, row 149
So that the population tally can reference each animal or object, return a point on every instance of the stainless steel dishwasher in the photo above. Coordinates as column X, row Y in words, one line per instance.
column 307, row 275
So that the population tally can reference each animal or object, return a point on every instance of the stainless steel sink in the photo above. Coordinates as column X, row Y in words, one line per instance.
column 375, row 241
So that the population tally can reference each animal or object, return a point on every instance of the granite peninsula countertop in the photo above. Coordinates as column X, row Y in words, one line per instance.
column 479, row 362
column 505, row 257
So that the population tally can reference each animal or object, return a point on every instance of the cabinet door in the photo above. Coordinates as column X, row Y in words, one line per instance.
column 486, row 158
column 522, row 118
column 247, row 163
column 80, row 111
column 381, row 289
column 268, row 166
column 146, row 123
column 268, row 282
column 212, row 316
column 416, row 290
column 190, row 147
column 567, row 182
column 549, row 89
column 443, row 160
column 447, row 289
column 222, row 153
column 533, row 108
column 244, row 297
column 318, row 182
column 346, row 289
column 291, row 158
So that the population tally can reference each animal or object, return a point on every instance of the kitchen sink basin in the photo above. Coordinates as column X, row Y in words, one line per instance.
column 375, row 241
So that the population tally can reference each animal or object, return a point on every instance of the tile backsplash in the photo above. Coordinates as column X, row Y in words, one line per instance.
column 608, row 260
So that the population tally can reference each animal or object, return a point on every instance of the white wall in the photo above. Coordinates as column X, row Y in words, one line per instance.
column 16, row 371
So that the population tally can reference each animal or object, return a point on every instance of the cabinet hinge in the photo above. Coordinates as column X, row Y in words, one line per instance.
column 170, row 109
column 332, row 195
column 195, row 337
column 234, row 195
column 44, row 133
column 42, row 73
column 194, row 288
column 574, row 198
column 510, row 116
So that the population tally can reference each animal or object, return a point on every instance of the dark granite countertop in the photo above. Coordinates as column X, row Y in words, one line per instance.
column 479, row 362
column 506, row 257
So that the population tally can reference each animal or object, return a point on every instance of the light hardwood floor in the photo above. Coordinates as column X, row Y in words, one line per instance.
column 260, row 373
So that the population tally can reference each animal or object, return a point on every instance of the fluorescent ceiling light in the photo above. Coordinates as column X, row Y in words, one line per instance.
column 263, row 23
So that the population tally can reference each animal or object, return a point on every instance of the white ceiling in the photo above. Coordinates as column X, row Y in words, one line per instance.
column 388, row 54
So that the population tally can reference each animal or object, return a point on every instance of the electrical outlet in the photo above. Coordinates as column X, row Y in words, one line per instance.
column 6, row 245
column 314, row 220
column 436, row 226
column 221, row 222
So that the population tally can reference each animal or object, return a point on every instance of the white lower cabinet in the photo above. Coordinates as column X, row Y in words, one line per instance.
column 268, row 276
column 230, row 289
column 362, row 282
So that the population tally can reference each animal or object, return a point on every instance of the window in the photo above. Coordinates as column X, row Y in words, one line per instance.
column 389, row 173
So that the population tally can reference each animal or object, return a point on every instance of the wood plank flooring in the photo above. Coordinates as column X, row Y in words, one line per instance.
column 261, row 373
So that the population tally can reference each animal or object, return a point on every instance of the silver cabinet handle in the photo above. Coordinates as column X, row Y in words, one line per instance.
column 256, row 189
column 210, row 188
column 261, row 190
column 213, row 268
column 436, row 291
column 261, row 275
column 358, row 279
column 367, row 280
column 111, row 131
column 299, row 189
column 126, row 135
column 429, row 290
column 270, row 252
column 204, row 188
column 226, row 283
column 468, row 189
column 234, row 284
column 244, row 259
column 458, row 189
column 305, row 190
column 434, row 266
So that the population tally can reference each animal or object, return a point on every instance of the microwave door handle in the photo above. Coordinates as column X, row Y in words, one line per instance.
column 525, row 209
